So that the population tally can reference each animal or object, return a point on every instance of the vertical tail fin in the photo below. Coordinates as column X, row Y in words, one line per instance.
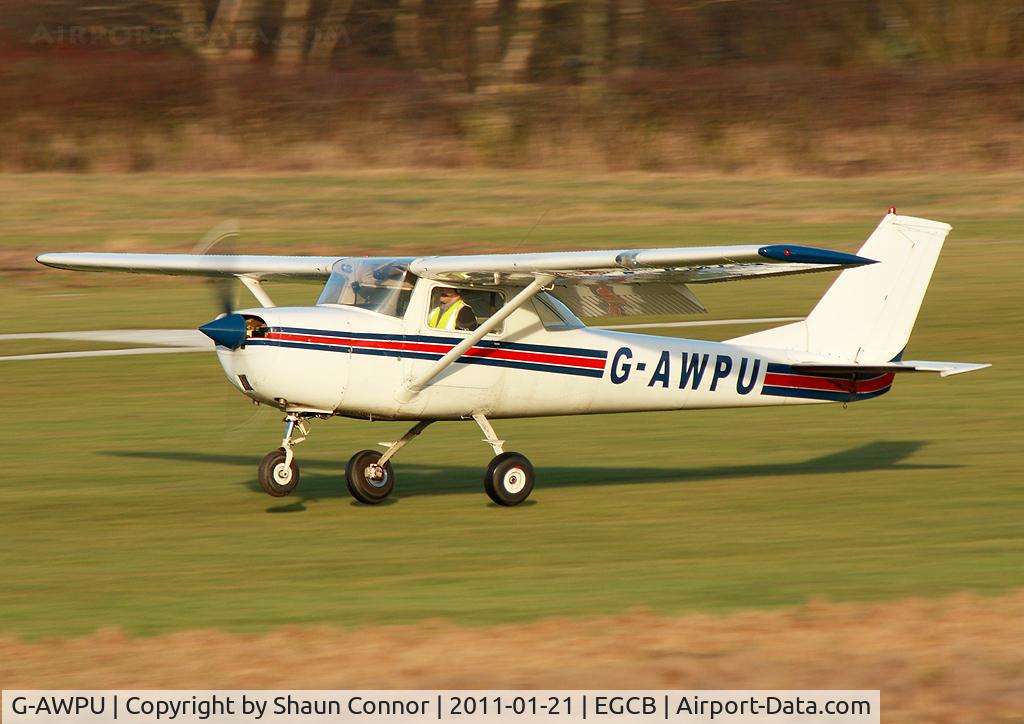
column 867, row 314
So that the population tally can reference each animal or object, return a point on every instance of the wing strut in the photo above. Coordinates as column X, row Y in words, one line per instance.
column 253, row 285
column 415, row 386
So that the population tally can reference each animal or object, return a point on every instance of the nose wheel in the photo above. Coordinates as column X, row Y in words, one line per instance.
column 277, row 474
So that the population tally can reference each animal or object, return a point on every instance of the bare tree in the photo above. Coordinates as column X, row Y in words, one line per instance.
column 296, row 33
column 327, row 21
column 626, row 32
column 515, row 59
column 407, row 34
column 232, row 31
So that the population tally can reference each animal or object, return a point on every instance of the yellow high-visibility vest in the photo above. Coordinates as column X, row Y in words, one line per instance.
column 449, row 318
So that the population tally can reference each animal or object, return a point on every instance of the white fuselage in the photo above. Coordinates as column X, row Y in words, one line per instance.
column 344, row 360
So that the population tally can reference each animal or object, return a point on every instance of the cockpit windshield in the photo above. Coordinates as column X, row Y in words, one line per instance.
column 378, row 285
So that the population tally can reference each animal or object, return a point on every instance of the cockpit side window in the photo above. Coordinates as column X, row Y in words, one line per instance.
column 457, row 308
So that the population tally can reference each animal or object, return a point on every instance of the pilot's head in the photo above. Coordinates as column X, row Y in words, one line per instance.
column 447, row 295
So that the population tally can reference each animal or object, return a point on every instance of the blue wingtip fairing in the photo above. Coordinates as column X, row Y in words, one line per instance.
column 227, row 331
column 811, row 255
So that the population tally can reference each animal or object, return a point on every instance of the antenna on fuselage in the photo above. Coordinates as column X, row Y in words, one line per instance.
column 535, row 225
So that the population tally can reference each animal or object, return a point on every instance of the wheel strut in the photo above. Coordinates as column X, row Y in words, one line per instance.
column 490, row 437
column 394, row 447
column 291, row 421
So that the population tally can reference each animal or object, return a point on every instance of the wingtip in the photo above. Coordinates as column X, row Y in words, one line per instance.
column 811, row 255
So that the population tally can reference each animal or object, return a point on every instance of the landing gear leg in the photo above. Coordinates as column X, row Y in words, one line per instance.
column 369, row 473
column 509, row 478
column 278, row 472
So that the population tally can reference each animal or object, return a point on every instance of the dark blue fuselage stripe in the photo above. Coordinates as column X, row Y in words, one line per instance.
column 260, row 342
column 533, row 366
column 429, row 339
column 548, row 349
column 821, row 394
column 335, row 333
column 513, row 364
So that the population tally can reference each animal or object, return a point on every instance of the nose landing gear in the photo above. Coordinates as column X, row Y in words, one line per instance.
column 278, row 472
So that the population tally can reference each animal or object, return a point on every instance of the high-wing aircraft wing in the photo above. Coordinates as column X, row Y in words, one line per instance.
column 621, row 282
column 683, row 264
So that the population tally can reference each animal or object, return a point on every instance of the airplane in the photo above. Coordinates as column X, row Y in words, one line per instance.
column 376, row 345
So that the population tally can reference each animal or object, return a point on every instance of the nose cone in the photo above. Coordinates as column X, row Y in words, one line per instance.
column 227, row 331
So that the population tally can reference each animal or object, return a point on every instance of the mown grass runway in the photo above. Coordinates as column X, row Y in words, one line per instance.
column 130, row 495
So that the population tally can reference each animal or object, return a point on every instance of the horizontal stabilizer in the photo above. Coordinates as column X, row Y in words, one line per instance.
column 945, row 369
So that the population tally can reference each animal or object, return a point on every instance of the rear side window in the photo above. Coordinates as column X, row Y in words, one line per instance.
column 553, row 314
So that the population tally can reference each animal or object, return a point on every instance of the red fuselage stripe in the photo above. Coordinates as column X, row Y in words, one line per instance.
column 831, row 384
column 440, row 349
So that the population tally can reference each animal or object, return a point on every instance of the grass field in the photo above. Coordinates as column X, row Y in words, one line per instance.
column 132, row 499
column 946, row 661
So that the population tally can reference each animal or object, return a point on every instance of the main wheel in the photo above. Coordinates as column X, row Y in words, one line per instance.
column 276, row 478
column 509, row 479
column 369, row 482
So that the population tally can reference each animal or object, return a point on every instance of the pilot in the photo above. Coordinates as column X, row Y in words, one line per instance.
column 451, row 312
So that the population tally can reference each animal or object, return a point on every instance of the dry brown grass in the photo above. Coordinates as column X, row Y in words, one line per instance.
column 94, row 112
column 958, row 659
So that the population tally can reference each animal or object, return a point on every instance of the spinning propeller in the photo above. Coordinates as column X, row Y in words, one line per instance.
column 228, row 328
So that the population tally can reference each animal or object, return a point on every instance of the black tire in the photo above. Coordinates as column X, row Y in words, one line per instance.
column 361, row 486
column 275, row 479
column 509, row 479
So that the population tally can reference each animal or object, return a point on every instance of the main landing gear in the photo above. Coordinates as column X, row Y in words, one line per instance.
column 509, row 478
column 508, row 481
column 371, row 477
